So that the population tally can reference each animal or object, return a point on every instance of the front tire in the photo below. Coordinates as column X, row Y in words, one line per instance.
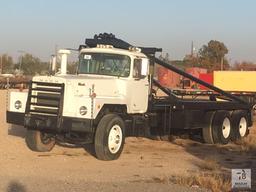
column 109, row 137
column 38, row 141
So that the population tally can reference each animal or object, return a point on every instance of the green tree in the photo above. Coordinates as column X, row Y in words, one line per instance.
column 7, row 64
column 191, row 61
column 244, row 66
column 31, row 65
column 165, row 58
column 72, row 67
column 213, row 54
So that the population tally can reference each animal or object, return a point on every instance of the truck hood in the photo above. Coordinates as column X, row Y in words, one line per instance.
column 84, row 85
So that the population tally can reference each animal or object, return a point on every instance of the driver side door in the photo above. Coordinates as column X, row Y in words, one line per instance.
column 139, row 85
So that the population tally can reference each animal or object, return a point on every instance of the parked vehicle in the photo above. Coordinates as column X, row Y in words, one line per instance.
column 112, row 96
column 239, row 83
column 13, row 81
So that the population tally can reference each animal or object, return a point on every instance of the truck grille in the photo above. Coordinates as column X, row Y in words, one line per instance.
column 45, row 98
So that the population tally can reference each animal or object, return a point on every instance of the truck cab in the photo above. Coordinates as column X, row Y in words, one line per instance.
column 126, row 72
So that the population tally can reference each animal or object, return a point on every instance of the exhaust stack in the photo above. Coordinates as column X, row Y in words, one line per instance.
column 64, row 60
column 52, row 68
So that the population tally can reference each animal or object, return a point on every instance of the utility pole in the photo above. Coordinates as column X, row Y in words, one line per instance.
column 21, row 58
column 222, row 64
column 192, row 49
column 20, row 64
column 1, row 71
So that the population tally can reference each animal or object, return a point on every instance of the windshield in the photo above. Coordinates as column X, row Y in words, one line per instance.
column 104, row 64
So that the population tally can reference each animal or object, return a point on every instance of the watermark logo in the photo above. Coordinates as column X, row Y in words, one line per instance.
column 241, row 178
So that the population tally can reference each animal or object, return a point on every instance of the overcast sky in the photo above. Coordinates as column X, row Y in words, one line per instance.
column 36, row 26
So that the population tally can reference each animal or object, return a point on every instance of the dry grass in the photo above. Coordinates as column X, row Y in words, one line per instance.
column 247, row 144
column 214, row 181
column 163, row 180
column 209, row 164
column 210, row 177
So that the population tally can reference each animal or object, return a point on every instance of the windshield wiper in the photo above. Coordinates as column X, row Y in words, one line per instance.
column 123, row 70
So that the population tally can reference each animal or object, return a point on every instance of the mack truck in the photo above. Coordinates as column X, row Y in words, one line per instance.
column 114, row 95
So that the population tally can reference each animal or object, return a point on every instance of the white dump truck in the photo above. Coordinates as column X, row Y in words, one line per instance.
column 112, row 97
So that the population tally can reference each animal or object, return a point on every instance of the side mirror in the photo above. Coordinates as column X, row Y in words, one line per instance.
column 140, row 69
column 144, row 67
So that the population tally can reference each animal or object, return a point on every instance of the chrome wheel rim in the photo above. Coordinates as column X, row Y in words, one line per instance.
column 226, row 127
column 242, row 126
column 115, row 139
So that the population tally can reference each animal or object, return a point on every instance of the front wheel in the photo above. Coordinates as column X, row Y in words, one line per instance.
column 38, row 141
column 109, row 137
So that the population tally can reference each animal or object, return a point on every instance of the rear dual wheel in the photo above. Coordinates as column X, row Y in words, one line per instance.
column 239, row 124
column 221, row 127
column 217, row 128
column 207, row 129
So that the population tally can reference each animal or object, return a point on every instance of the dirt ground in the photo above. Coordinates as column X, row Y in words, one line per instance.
column 143, row 166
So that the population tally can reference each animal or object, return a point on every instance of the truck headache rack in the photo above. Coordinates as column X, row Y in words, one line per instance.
column 45, row 98
column 110, row 39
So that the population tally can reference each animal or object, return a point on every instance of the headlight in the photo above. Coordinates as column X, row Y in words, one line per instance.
column 17, row 104
column 83, row 110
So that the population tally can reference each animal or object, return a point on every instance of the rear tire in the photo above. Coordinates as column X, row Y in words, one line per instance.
column 207, row 129
column 221, row 127
column 254, row 109
column 239, row 125
column 38, row 141
column 109, row 137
